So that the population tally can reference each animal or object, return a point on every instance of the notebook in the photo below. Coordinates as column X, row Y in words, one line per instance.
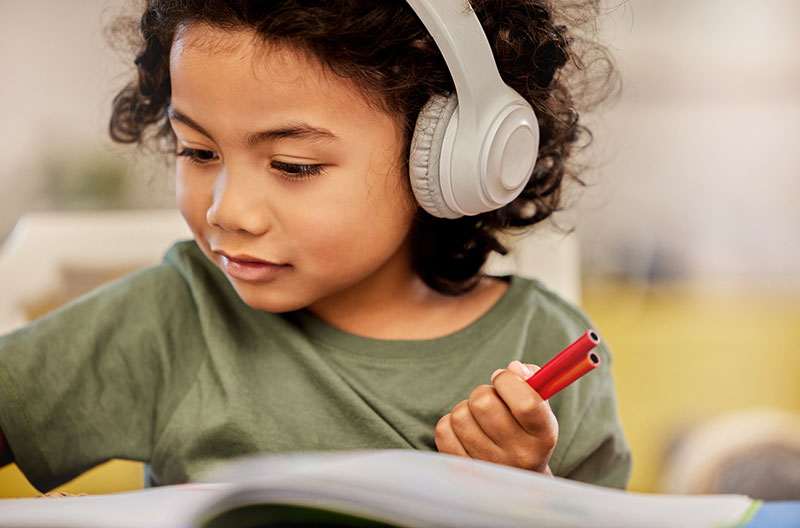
column 376, row 488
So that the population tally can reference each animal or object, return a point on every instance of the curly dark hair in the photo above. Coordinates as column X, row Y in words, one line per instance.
column 383, row 48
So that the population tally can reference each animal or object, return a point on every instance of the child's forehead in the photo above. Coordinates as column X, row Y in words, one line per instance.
column 242, row 44
column 241, row 84
column 290, row 69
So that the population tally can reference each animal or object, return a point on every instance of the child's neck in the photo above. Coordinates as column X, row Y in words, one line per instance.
column 402, row 306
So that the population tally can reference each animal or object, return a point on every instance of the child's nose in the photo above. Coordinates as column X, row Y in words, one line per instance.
column 238, row 203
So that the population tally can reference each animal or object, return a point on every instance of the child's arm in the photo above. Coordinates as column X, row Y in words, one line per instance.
column 506, row 423
column 92, row 380
column 6, row 457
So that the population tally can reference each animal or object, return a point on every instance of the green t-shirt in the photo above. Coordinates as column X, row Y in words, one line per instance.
column 169, row 366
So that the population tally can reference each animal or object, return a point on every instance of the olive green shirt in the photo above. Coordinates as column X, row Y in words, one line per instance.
column 170, row 367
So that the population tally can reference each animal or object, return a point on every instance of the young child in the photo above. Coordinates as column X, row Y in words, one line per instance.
column 318, row 306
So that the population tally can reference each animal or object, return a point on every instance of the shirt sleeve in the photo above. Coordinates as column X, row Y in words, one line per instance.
column 591, row 445
column 89, row 382
column 595, row 450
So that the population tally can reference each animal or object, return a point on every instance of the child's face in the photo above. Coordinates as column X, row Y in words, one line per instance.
column 330, row 235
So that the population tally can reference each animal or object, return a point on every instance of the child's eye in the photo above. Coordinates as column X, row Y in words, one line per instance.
column 291, row 171
column 198, row 156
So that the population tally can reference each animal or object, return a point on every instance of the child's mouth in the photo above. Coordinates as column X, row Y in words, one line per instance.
column 247, row 268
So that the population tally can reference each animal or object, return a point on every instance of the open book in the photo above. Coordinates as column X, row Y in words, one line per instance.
column 375, row 488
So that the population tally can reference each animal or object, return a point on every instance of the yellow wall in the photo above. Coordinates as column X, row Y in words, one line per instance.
column 684, row 353
column 111, row 477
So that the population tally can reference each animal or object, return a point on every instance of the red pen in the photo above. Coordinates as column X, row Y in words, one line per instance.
column 569, row 365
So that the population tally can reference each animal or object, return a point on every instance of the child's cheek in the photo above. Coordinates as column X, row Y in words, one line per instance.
column 349, row 247
column 193, row 201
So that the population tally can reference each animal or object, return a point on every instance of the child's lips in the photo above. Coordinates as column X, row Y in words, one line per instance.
column 247, row 268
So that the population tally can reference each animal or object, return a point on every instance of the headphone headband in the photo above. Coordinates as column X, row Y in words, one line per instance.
column 459, row 36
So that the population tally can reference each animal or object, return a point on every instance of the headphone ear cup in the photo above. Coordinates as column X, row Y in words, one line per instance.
column 426, row 151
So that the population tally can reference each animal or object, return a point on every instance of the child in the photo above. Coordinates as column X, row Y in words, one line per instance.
column 318, row 306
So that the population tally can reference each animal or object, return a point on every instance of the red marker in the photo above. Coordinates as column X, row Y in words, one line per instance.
column 569, row 365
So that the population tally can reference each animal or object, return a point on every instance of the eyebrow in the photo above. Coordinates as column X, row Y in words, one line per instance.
column 293, row 130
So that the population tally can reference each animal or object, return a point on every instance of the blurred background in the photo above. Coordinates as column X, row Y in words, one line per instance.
column 689, row 229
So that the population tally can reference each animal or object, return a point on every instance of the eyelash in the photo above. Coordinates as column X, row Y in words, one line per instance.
column 297, row 172
column 290, row 171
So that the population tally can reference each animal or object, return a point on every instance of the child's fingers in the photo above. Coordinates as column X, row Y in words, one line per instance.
column 493, row 416
column 528, row 408
column 523, row 370
column 446, row 439
column 471, row 435
column 515, row 446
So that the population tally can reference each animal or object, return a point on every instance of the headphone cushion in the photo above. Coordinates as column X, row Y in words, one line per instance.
column 426, row 150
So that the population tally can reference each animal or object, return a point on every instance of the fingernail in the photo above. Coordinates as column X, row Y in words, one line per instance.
column 495, row 373
column 521, row 368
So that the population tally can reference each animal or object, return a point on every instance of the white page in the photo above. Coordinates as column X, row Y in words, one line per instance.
column 400, row 486
column 424, row 487
column 163, row 507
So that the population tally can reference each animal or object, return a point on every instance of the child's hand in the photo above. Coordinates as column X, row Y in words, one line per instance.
column 506, row 422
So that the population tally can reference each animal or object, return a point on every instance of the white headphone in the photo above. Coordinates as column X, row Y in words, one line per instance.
column 475, row 150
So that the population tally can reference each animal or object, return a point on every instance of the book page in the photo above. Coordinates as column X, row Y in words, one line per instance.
column 163, row 507
column 423, row 488
column 400, row 487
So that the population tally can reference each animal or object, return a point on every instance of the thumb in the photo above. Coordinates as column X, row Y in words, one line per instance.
column 522, row 370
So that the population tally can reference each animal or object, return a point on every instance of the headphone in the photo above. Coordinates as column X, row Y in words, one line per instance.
column 474, row 150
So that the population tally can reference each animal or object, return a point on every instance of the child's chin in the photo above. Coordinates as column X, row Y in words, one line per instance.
column 255, row 297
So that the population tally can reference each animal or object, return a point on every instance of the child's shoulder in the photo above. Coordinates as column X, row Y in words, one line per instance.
column 175, row 280
column 180, row 261
column 538, row 294
column 184, row 254
column 204, row 282
column 553, row 318
column 187, row 259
